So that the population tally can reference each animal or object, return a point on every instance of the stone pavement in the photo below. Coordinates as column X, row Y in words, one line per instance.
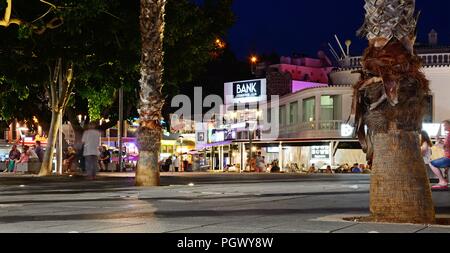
column 196, row 203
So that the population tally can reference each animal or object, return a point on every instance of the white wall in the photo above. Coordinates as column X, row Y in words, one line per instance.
column 440, row 87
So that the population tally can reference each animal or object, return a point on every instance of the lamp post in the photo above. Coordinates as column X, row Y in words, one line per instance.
column 180, row 139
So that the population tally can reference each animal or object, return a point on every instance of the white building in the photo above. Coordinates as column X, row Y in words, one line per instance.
column 312, row 119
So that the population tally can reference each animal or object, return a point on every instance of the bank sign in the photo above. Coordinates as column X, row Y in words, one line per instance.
column 245, row 91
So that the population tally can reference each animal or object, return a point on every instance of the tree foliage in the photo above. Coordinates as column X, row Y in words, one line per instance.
column 101, row 38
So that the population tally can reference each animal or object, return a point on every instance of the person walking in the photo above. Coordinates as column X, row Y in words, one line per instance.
column 444, row 162
column 91, row 142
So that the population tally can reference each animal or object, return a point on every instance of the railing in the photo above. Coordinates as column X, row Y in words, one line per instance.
column 435, row 59
column 331, row 125
column 428, row 60
column 326, row 125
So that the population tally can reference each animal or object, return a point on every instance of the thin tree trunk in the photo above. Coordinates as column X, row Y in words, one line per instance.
column 151, row 98
column 46, row 167
column 400, row 190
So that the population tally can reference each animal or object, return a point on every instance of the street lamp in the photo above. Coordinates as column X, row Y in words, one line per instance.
column 253, row 61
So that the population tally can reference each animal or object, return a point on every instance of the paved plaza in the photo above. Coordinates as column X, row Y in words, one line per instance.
column 196, row 203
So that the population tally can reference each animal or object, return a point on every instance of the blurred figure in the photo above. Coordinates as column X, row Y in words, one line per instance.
column 312, row 169
column 328, row 170
column 91, row 142
column 14, row 155
column 39, row 151
column 69, row 159
column 104, row 159
column 425, row 148
column 260, row 163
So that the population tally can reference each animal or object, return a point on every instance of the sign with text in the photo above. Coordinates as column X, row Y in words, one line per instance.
column 320, row 152
column 250, row 91
column 247, row 89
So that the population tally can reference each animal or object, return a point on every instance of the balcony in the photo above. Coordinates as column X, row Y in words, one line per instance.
column 314, row 129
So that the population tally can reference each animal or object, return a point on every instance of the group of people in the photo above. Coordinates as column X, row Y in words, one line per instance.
column 257, row 164
column 173, row 164
column 442, row 163
column 15, row 157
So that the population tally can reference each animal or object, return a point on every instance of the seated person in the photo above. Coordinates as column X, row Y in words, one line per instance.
column 69, row 159
column 13, row 156
column 329, row 170
column 312, row 169
column 444, row 162
column 356, row 168
column 275, row 168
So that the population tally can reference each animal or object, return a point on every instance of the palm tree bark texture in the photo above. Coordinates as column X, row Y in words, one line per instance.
column 387, row 111
column 151, row 98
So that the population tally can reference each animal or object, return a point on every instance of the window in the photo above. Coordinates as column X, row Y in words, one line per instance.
column 282, row 115
column 309, row 106
column 330, row 108
column 428, row 116
column 293, row 112
column 269, row 115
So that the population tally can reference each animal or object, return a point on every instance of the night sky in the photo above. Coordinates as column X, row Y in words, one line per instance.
column 306, row 26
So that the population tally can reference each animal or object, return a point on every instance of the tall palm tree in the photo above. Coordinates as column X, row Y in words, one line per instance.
column 151, row 98
column 390, row 101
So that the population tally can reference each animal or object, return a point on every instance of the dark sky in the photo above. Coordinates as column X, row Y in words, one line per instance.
column 306, row 26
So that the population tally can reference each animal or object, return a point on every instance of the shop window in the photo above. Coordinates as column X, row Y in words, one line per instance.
column 309, row 108
column 330, row 108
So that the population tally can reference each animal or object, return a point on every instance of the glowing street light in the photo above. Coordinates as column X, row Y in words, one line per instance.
column 253, row 61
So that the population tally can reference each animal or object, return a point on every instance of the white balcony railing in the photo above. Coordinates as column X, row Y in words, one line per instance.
column 427, row 59
column 326, row 125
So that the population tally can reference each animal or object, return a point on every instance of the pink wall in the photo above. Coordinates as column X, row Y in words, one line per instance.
column 302, row 85
column 319, row 75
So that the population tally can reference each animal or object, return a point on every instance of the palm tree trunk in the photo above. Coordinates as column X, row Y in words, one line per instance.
column 46, row 167
column 399, row 190
column 151, row 98
column 390, row 101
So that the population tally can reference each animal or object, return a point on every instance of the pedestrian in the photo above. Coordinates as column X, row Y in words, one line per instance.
column 425, row 148
column 39, row 151
column 260, row 163
column 105, row 159
column 91, row 142
column 176, row 163
column 444, row 162
column 167, row 164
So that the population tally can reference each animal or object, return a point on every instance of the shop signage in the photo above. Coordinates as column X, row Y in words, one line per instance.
column 247, row 89
column 320, row 152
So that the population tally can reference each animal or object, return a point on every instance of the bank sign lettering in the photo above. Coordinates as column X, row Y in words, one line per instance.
column 247, row 89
